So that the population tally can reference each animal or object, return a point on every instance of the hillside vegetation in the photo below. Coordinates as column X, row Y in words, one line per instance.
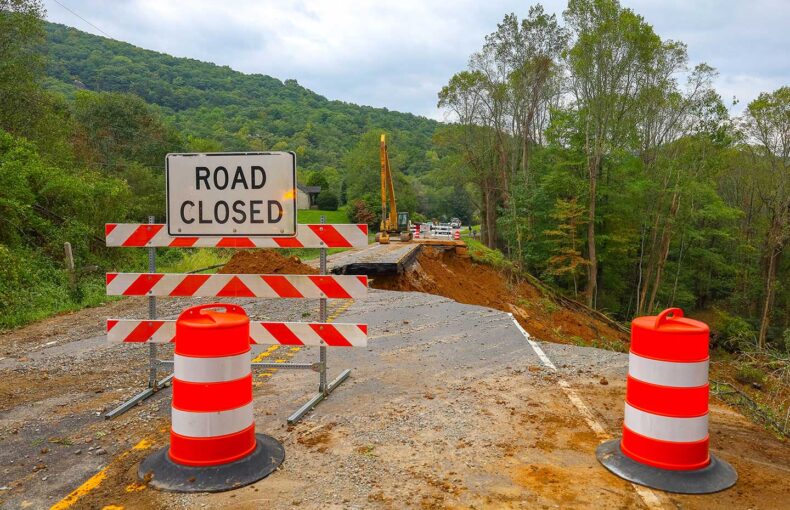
column 85, row 123
column 218, row 108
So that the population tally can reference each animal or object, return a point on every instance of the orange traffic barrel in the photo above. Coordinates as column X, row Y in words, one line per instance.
column 213, row 444
column 665, row 443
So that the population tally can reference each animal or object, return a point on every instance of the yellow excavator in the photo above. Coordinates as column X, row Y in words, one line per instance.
column 392, row 221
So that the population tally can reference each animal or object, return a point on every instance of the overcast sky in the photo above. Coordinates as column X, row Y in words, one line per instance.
column 399, row 54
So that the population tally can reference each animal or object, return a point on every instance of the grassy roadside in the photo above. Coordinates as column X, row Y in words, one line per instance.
column 314, row 216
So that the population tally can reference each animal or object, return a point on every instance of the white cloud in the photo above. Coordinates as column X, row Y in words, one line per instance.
column 399, row 54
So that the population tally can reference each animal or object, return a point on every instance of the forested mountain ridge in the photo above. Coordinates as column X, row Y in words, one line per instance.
column 86, row 121
column 234, row 110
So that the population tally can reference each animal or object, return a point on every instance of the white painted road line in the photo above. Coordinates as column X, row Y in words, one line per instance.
column 649, row 498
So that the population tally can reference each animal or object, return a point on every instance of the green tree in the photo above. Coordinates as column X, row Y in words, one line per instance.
column 114, row 129
column 566, row 259
column 612, row 51
column 766, row 123
column 326, row 201
column 21, row 64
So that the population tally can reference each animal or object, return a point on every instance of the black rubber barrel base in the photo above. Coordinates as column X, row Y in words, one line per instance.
column 715, row 477
column 160, row 472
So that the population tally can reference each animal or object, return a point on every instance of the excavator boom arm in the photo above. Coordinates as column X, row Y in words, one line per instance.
column 389, row 208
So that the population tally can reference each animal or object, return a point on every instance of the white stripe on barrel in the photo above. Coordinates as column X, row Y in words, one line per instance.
column 212, row 424
column 666, row 428
column 211, row 370
column 668, row 373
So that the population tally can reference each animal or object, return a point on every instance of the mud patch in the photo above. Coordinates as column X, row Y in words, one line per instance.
column 319, row 438
column 265, row 262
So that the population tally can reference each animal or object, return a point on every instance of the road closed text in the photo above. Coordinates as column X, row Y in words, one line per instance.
column 233, row 194
column 238, row 212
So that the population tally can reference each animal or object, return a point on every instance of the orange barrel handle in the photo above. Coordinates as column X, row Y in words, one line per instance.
column 664, row 316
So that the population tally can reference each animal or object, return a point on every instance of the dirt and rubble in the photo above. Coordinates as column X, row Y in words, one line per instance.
column 456, row 276
column 265, row 262
column 448, row 407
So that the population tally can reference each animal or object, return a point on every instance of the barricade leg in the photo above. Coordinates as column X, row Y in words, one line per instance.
column 324, row 389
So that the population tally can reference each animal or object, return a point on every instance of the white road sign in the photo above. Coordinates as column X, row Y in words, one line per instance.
column 249, row 194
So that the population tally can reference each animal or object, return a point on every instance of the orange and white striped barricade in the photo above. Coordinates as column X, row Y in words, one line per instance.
column 154, row 235
column 213, row 444
column 665, row 443
column 333, row 334
column 457, row 234
column 417, row 231
column 322, row 287
column 237, row 285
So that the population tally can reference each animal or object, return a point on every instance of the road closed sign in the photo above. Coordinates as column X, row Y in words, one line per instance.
column 249, row 194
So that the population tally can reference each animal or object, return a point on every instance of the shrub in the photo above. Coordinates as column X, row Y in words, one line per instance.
column 482, row 254
column 734, row 333
column 749, row 375
column 418, row 218
column 359, row 212
column 326, row 201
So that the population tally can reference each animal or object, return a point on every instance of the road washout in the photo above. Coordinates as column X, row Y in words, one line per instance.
column 458, row 277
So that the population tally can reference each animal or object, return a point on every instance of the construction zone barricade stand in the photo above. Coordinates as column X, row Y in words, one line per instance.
column 665, row 443
column 321, row 287
column 213, row 444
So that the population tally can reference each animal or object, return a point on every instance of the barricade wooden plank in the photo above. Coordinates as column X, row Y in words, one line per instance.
column 129, row 235
column 335, row 334
column 237, row 285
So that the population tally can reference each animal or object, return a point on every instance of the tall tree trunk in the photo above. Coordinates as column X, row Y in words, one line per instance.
column 664, row 249
column 592, row 274
column 775, row 247
column 677, row 271
column 484, row 218
column 651, row 262
column 491, row 222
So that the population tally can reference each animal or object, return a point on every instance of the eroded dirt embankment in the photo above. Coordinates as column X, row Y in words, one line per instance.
column 458, row 277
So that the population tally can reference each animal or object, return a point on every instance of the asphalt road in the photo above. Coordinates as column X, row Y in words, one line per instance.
column 450, row 406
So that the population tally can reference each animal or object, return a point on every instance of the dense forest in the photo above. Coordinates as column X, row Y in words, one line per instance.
column 602, row 162
column 585, row 146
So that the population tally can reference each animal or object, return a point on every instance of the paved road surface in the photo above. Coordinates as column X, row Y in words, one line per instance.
column 448, row 407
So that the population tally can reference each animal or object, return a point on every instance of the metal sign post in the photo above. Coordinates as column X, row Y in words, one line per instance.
column 152, row 354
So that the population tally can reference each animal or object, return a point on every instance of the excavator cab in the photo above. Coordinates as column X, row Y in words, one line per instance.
column 404, row 226
column 403, row 221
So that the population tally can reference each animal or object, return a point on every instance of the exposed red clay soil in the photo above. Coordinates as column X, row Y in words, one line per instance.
column 265, row 262
column 458, row 277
